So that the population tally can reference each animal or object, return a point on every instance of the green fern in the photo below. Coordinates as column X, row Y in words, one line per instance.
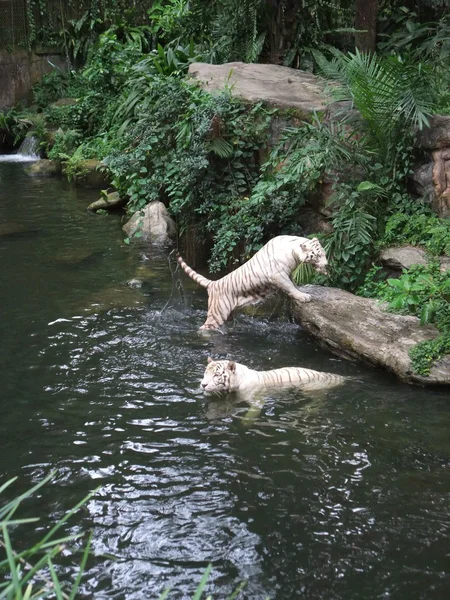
column 392, row 96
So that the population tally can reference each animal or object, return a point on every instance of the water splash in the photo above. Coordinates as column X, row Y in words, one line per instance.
column 28, row 151
column 29, row 147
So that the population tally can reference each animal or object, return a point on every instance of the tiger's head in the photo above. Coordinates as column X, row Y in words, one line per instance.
column 314, row 254
column 218, row 376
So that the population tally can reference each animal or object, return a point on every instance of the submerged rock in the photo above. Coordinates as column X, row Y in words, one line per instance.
column 44, row 168
column 280, row 86
column 16, row 229
column 359, row 328
column 108, row 202
column 151, row 224
column 114, row 297
column 77, row 256
column 11, row 229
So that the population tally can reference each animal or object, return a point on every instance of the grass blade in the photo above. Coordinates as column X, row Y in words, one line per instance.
column 56, row 582
column 81, row 569
column 202, row 584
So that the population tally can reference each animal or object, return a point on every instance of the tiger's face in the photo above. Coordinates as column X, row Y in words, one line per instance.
column 315, row 255
column 217, row 376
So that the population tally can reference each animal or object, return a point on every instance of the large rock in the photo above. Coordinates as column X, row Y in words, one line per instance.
column 151, row 224
column 403, row 257
column 431, row 176
column 358, row 328
column 436, row 136
column 441, row 182
column 280, row 86
column 444, row 264
column 422, row 179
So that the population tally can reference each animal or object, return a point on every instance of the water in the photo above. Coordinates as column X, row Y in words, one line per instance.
column 27, row 152
column 340, row 495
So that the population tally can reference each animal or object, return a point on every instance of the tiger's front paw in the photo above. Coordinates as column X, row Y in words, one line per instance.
column 303, row 298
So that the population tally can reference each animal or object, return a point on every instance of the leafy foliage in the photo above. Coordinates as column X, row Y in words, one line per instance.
column 288, row 179
column 420, row 229
column 236, row 33
column 51, row 87
column 428, row 43
column 196, row 151
column 390, row 94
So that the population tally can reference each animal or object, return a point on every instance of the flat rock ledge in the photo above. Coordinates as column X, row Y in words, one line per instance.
column 279, row 86
column 359, row 328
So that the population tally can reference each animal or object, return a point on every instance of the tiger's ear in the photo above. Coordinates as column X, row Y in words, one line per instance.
column 315, row 239
column 210, row 359
column 232, row 366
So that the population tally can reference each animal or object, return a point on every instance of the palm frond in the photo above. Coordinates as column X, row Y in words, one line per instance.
column 389, row 93
column 221, row 147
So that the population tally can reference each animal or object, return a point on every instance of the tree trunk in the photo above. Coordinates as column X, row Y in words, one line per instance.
column 366, row 18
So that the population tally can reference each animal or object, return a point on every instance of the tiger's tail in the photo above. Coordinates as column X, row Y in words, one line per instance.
column 193, row 274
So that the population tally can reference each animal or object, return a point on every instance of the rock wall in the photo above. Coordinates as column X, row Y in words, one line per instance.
column 431, row 176
column 19, row 71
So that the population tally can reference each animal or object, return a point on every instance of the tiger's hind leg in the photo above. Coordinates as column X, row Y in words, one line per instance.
column 219, row 309
column 282, row 281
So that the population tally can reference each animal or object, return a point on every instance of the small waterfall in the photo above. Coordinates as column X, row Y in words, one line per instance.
column 28, row 151
column 29, row 147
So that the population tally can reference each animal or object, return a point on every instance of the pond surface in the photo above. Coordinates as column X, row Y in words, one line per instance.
column 338, row 495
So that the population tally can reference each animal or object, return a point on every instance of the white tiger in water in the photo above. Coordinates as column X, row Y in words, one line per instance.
column 226, row 376
column 267, row 271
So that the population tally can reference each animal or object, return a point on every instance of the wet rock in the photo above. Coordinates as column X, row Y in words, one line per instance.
column 280, row 86
column 152, row 224
column 134, row 283
column 359, row 328
column 44, row 168
column 108, row 202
